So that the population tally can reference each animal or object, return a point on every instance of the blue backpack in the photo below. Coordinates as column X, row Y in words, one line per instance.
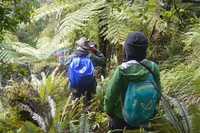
column 140, row 101
column 80, row 72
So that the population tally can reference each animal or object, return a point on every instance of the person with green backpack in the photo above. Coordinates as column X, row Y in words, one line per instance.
column 133, row 91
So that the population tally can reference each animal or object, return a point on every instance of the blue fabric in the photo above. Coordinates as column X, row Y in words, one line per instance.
column 140, row 100
column 80, row 72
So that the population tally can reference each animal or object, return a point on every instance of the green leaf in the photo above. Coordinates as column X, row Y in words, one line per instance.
column 29, row 127
column 145, row 17
column 42, row 92
column 153, row 2
column 111, row 4
column 146, row 9
column 140, row 10
column 119, row 9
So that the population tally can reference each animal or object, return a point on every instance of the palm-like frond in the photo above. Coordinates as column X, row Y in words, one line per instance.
column 13, row 51
column 114, row 25
column 75, row 21
column 49, row 9
column 7, row 53
column 192, row 40
column 178, row 119
column 72, row 16
column 5, row 126
column 30, row 128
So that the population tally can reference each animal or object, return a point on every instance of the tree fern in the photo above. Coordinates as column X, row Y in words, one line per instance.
column 13, row 51
column 116, row 28
column 49, row 9
column 75, row 21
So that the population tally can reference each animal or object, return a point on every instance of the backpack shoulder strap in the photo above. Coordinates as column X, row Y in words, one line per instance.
column 150, row 70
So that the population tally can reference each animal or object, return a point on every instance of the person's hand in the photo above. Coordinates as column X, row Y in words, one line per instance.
column 58, row 54
column 93, row 47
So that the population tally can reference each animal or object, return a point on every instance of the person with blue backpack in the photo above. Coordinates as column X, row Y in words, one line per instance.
column 133, row 91
column 80, row 68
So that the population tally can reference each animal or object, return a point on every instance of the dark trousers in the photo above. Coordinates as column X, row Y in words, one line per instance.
column 86, row 92
column 118, row 123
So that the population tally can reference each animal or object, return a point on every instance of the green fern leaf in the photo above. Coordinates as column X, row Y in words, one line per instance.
column 49, row 9
column 4, row 125
column 84, row 124
column 73, row 128
column 29, row 127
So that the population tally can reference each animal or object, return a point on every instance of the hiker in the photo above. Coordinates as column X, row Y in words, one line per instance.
column 131, row 70
column 97, row 59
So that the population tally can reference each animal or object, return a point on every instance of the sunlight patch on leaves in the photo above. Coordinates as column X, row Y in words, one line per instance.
column 75, row 21
column 48, row 9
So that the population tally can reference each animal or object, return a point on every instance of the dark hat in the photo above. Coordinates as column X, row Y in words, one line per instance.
column 83, row 42
column 135, row 46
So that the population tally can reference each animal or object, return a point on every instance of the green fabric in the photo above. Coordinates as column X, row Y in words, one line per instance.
column 115, row 91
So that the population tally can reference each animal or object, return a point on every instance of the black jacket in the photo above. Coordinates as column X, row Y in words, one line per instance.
column 97, row 58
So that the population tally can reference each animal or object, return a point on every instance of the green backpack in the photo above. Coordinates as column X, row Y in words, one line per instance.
column 140, row 101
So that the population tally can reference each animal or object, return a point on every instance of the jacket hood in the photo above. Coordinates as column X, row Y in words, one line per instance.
column 81, row 52
column 133, row 70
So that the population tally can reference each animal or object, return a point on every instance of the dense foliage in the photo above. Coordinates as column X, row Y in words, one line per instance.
column 33, row 101
column 13, row 12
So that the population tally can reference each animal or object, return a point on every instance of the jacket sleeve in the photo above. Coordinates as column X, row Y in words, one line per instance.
column 156, row 72
column 112, row 92
column 157, row 80
column 65, row 60
column 157, row 76
column 98, row 58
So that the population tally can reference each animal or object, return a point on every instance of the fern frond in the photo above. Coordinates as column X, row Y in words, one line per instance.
column 52, row 104
column 40, row 121
column 5, row 126
column 43, row 42
column 72, row 127
column 7, row 53
column 29, row 127
column 173, row 116
column 34, row 115
column 192, row 40
column 49, row 9
column 74, row 21
column 63, row 116
column 183, row 114
column 57, row 127
column 8, row 56
column 84, row 124
column 116, row 29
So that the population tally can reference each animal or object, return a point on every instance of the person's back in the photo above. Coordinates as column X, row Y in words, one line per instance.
column 130, row 71
column 82, row 56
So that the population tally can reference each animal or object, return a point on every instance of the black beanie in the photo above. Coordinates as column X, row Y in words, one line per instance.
column 135, row 46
